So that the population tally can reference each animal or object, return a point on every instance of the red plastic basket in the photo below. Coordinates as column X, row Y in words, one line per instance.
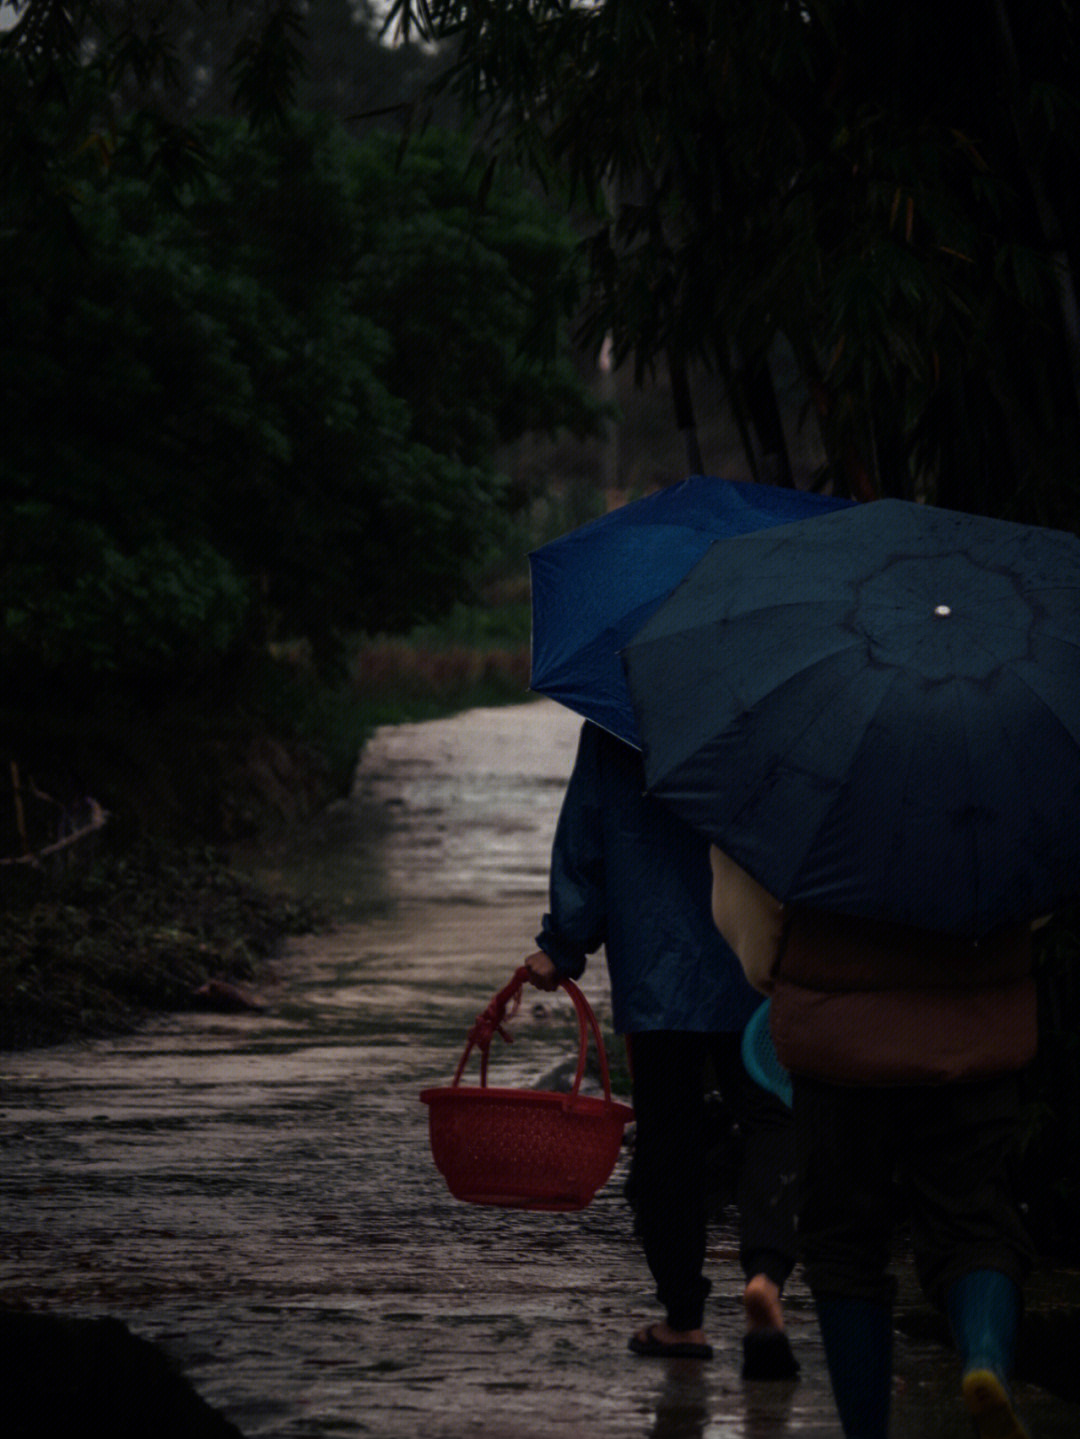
column 525, row 1148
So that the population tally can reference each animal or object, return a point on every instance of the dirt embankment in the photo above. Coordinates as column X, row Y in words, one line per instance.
column 94, row 949
column 117, row 898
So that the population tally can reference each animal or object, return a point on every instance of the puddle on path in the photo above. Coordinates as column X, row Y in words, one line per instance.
column 256, row 1193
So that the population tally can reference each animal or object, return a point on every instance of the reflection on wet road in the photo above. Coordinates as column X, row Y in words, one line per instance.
column 256, row 1193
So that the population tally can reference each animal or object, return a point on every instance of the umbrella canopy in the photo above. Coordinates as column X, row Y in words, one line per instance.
column 592, row 588
column 877, row 712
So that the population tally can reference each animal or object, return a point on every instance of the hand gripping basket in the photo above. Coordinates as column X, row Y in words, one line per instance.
column 525, row 1148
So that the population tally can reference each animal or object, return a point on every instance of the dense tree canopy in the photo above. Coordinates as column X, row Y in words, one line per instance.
column 255, row 374
column 891, row 190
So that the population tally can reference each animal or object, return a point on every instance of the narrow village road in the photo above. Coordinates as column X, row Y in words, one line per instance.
column 255, row 1192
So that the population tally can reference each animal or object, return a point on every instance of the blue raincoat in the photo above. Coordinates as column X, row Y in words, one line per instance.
column 628, row 874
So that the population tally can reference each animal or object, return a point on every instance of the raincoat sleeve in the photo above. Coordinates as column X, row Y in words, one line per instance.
column 576, row 923
column 748, row 917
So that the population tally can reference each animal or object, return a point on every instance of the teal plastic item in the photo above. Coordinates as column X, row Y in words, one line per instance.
column 760, row 1058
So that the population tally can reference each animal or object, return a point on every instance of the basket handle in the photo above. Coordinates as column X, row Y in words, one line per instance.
column 505, row 1004
column 490, row 1022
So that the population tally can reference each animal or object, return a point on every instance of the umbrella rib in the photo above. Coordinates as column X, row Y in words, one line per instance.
column 1022, row 679
column 920, row 762
column 744, row 697
column 836, row 700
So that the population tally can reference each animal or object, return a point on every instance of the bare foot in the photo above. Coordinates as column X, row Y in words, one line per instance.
column 761, row 1299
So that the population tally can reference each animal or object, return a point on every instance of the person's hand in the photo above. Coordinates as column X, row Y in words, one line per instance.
column 542, row 971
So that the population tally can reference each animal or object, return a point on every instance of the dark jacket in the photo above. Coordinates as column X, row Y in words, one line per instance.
column 628, row 874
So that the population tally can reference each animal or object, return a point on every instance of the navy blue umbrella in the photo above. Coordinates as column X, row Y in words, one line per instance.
column 592, row 588
column 877, row 712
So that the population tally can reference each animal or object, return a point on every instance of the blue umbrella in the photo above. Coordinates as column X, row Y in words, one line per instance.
column 592, row 588
column 877, row 712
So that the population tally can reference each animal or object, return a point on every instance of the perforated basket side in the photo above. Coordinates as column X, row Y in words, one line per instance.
column 523, row 1148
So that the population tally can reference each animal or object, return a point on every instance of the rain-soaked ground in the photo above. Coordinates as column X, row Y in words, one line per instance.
column 255, row 1192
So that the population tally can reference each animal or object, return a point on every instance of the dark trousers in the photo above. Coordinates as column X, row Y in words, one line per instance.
column 941, row 1155
column 670, row 1072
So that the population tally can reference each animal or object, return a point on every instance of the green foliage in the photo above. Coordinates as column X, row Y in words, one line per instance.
column 272, row 408
column 153, row 609
column 479, row 625
column 142, row 56
column 891, row 191
column 401, row 682
column 93, row 949
column 255, row 373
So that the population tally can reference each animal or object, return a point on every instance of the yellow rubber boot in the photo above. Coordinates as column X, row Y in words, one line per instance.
column 984, row 1309
column 990, row 1406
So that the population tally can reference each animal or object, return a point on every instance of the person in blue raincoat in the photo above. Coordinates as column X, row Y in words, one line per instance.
column 628, row 874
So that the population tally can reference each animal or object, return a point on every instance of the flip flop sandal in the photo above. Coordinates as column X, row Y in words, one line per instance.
column 767, row 1355
column 648, row 1345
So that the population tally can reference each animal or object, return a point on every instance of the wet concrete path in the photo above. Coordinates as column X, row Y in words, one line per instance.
column 256, row 1194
